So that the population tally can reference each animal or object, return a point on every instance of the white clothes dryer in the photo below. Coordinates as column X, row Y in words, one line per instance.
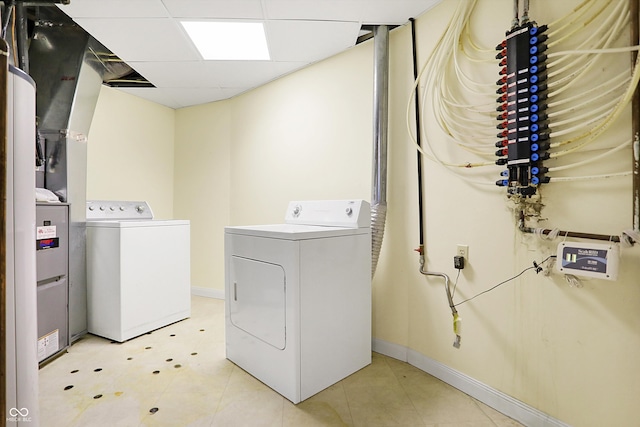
column 298, row 296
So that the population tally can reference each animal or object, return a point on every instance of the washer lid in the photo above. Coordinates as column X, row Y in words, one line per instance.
column 294, row 231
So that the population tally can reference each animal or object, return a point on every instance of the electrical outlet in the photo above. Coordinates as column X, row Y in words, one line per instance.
column 463, row 251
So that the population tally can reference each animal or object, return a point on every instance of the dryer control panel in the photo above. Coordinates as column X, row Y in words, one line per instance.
column 333, row 213
column 117, row 210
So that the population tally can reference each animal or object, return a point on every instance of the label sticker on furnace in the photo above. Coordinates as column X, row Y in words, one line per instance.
column 46, row 232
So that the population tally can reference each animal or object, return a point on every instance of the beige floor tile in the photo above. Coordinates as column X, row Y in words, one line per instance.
column 334, row 394
column 183, row 409
column 116, row 409
column 250, row 407
column 447, row 408
column 386, row 415
column 498, row 418
column 77, row 388
column 376, row 398
column 315, row 413
column 378, row 373
column 200, row 379
column 62, row 411
column 181, row 373
column 327, row 408
column 464, row 424
column 241, row 381
column 378, row 395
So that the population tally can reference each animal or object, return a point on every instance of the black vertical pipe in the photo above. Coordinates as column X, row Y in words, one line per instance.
column 418, row 130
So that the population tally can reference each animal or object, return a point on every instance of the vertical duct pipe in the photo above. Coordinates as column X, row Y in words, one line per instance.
column 22, row 37
column 6, row 17
column 635, row 116
column 380, row 134
column 4, row 65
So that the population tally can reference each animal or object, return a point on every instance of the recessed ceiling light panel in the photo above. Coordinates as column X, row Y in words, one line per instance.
column 227, row 41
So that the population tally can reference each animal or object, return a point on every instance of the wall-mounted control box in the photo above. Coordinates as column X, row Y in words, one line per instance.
column 599, row 260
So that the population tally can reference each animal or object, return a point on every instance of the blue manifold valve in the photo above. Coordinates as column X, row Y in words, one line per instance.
column 523, row 131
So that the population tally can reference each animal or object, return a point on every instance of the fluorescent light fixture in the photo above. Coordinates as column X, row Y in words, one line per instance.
column 228, row 40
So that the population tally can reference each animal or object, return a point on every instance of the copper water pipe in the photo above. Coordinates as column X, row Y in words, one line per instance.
column 563, row 233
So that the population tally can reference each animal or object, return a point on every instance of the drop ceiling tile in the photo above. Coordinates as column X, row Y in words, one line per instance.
column 223, row 9
column 246, row 73
column 395, row 12
column 159, row 96
column 326, row 10
column 196, row 96
column 147, row 35
column 115, row 9
column 309, row 41
column 171, row 74
column 180, row 97
column 138, row 39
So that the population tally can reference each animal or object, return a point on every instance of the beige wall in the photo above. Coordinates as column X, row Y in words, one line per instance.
column 303, row 137
column 130, row 152
column 570, row 352
column 202, row 187
column 567, row 351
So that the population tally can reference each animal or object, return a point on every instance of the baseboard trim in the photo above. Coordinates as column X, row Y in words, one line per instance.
column 501, row 402
column 207, row 292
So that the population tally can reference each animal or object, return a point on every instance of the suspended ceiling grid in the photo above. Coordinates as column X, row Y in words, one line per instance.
column 147, row 35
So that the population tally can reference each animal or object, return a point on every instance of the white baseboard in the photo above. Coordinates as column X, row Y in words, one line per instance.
column 207, row 292
column 501, row 402
column 389, row 349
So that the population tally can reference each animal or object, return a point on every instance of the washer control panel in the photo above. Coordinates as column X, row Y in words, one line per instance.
column 117, row 210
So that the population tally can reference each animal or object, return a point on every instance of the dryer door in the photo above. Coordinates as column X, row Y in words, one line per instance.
column 257, row 300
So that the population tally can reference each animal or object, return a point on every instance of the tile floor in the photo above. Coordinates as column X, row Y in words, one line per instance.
column 178, row 376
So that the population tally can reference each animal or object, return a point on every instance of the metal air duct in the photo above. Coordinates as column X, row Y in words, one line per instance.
column 66, row 64
column 380, row 134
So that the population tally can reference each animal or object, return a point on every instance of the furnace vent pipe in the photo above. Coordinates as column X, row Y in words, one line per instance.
column 380, row 134
column 22, row 37
column 4, row 71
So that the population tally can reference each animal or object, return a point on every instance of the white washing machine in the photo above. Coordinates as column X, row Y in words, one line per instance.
column 298, row 296
column 138, row 270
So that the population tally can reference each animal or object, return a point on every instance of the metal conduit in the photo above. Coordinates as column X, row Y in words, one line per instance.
column 380, row 134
